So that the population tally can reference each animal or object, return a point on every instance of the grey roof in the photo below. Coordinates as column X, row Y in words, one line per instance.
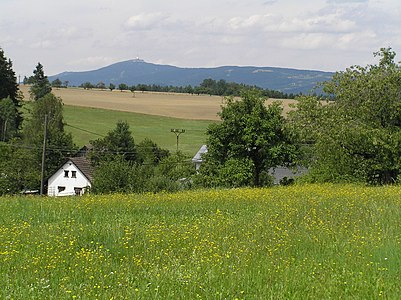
column 84, row 166
column 280, row 172
column 198, row 155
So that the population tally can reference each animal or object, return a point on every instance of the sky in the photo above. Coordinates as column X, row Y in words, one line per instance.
column 80, row 35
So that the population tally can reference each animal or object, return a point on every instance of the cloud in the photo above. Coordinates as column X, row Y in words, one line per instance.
column 44, row 44
column 347, row 1
column 334, row 22
column 147, row 21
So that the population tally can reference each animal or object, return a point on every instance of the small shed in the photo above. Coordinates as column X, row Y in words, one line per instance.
column 197, row 159
column 74, row 177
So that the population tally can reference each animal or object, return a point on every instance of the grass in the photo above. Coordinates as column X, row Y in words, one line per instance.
column 300, row 242
column 100, row 121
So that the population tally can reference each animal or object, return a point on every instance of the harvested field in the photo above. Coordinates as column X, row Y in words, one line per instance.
column 183, row 106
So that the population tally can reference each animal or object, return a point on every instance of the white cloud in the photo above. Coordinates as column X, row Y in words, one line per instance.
column 80, row 35
column 44, row 44
column 147, row 21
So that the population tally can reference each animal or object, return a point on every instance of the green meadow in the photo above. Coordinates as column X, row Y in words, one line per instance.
column 298, row 242
column 92, row 123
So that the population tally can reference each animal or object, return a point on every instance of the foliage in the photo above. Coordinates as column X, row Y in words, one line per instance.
column 101, row 85
column 117, row 175
column 299, row 242
column 122, row 176
column 8, row 119
column 176, row 166
column 87, row 85
column 59, row 143
column 123, row 87
column 357, row 135
column 57, row 83
column 224, row 88
column 250, row 131
column 17, row 170
column 207, row 86
column 235, row 172
column 40, row 85
column 150, row 153
column 117, row 142
column 9, row 89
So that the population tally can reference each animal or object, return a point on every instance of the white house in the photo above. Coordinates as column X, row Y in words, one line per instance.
column 73, row 178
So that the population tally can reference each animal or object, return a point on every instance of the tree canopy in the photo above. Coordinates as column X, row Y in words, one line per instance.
column 10, row 117
column 118, row 141
column 40, row 84
column 250, row 140
column 60, row 143
column 356, row 136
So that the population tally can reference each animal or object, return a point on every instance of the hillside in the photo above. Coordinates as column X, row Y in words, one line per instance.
column 133, row 72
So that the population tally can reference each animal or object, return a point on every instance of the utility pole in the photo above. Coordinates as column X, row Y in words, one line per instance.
column 42, row 178
column 177, row 133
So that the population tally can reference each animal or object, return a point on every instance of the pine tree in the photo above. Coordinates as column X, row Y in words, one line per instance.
column 41, row 85
column 9, row 88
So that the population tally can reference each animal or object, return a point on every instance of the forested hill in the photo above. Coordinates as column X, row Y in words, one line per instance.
column 133, row 72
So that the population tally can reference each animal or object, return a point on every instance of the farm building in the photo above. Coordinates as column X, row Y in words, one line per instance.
column 74, row 177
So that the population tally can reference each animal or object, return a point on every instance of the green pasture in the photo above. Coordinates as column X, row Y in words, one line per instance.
column 299, row 242
column 94, row 123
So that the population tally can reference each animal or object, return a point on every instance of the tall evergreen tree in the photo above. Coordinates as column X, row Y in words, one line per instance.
column 9, row 89
column 41, row 85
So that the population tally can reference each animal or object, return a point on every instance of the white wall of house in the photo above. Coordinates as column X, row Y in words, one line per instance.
column 67, row 181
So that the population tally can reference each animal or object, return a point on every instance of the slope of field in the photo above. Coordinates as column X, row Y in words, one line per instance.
column 88, row 124
column 184, row 106
column 300, row 242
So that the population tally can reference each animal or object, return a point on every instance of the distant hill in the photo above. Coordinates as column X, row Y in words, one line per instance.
column 133, row 72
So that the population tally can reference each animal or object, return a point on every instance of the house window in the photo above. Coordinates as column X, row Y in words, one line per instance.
column 78, row 191
column 61, row 188
column 65, row 173
column 73, row 174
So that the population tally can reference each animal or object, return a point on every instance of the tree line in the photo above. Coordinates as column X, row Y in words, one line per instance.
column 207, row 87
column 352, row 133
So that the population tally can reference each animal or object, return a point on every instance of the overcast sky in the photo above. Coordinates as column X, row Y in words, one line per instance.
column 77, row 35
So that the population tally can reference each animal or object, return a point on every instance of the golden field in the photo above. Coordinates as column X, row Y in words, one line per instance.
column 183, row 106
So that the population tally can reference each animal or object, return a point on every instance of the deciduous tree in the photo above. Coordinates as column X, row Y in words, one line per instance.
column 60, row 143
column 250, row 134
column 118, row 141
column 357, row 135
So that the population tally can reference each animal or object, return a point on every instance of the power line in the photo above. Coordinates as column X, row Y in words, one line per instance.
column 88, row 131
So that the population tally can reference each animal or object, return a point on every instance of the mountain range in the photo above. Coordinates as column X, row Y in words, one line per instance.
column 137, row 71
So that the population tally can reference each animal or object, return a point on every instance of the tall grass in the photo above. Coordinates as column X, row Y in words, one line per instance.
column 300, row 242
